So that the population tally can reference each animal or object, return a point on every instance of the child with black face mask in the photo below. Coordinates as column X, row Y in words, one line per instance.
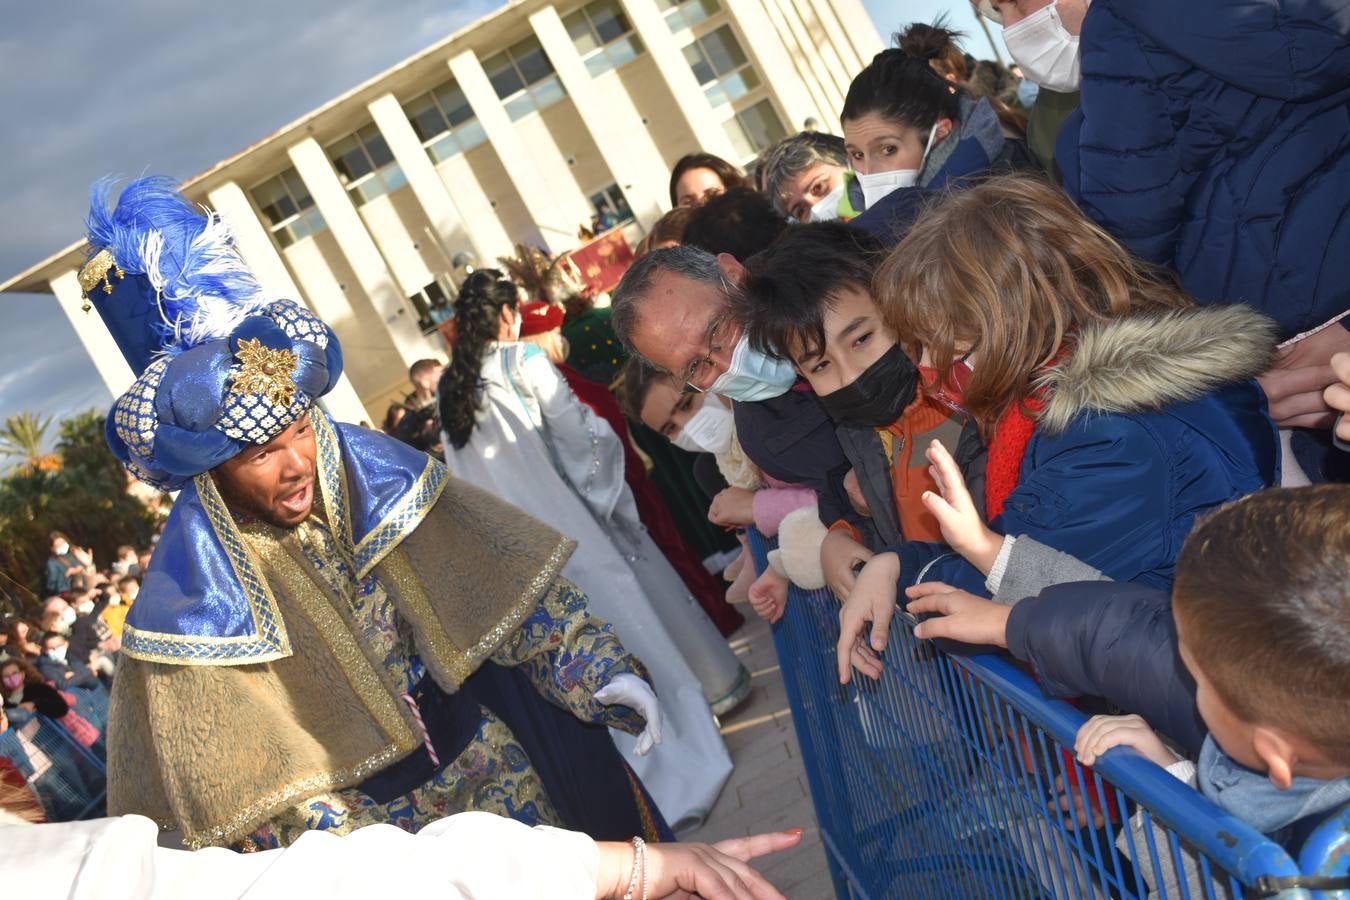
column 808, row 298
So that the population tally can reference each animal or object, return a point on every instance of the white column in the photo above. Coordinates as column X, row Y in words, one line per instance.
column 378, row 283
column 857, row 24
column 690, row 100
column 255, row 246
column 252, row 240
column 816, row 51
column 792, row 35
column 97, row 340
column 486, row 236
column 539, row 174
column 486, row 229
column 611, row 118
column 850, row 64
column 774, row 65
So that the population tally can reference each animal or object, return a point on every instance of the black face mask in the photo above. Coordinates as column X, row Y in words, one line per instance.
column 877, row 396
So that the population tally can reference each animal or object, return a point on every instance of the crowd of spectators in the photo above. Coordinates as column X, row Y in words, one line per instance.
column 1042, row 353
column 1087, row 373
column 57, row 667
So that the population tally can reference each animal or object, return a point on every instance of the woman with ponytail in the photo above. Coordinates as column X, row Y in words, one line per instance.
column 905, row 125
column 514, row 427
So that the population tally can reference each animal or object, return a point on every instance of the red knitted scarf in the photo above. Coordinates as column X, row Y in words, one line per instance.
column 1012, row 432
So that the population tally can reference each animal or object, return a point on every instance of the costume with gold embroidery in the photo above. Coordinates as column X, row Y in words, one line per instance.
column 407, row 652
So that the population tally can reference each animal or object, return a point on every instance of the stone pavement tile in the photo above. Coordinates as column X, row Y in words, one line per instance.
column 779, row 778
column 767, row 789
column 802, row 874
column 763, row 765
column 790, row 809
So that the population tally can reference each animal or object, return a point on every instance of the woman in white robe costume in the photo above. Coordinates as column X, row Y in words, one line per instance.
column 532, row 443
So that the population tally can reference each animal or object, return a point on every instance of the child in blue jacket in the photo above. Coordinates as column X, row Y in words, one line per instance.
column 1245, row 667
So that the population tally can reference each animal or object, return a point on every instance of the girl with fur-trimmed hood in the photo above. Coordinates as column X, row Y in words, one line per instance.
column 1114, row 410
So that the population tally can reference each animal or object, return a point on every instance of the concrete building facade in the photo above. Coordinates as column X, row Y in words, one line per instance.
column 516, row 129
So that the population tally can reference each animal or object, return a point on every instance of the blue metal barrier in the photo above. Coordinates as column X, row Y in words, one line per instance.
column 944, row 779
column 69, row 780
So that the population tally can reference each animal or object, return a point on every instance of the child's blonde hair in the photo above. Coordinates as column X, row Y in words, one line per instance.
column 1008, row 269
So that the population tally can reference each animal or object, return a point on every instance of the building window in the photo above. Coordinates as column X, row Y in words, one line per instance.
column 603, row 36
column 611, row 208
column 365, row 166
column 755, row 129
column 683, row 14
column 444, row 121
column 287, row 208
column 433, row 306
column 524, row 79
column 721, row 66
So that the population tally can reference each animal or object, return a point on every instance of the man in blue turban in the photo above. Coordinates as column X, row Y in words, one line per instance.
column 332, row 632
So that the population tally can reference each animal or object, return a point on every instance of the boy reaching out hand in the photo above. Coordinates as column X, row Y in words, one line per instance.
column 1246, row 667
column 1014, row 568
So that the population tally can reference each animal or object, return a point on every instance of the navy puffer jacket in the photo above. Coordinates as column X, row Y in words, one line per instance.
column 1214, row 137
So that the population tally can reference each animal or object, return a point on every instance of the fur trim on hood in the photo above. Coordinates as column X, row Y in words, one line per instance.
column 1143, row 362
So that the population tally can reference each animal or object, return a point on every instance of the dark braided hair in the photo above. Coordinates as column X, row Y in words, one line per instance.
column 477, row 309
column 900, row 86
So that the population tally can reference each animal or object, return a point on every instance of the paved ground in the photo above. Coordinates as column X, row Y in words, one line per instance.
column 767, row 790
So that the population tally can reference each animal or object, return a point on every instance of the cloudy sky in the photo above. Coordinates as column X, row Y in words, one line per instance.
column 171, row 87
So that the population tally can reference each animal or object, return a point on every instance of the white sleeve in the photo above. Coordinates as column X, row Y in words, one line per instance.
column 470, row 856
column 585, row 449
column 1000, row 565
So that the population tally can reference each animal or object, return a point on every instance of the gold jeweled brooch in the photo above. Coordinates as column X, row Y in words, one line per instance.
column 265, row 371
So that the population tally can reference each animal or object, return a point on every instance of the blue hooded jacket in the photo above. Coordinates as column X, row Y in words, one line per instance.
column 1214, row 138
column 1152, row 421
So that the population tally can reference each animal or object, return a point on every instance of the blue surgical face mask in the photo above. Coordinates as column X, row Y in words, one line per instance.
column 1027, row 91
column 753, row 376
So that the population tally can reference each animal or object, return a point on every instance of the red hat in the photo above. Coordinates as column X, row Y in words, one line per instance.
column 539, row 317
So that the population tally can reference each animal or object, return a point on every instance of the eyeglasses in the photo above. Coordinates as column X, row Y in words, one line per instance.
column 700, row 374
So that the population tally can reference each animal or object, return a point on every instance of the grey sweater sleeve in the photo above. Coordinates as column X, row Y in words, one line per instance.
column 1032, row 567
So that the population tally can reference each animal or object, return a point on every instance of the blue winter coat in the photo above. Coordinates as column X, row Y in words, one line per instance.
column 1111, row 640
column 1214, row 138
column 792, row 439
column 1151, row 422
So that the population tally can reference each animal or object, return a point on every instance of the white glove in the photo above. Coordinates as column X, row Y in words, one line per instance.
column 631, row 691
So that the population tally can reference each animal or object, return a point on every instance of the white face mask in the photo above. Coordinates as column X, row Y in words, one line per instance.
column 57, row 653
column 827, row 208
column 753, row 376
column 877, row 185
column 709, row 430
column 68, row 616
column 1045, row 50
column 85, row 607
column 61, row 549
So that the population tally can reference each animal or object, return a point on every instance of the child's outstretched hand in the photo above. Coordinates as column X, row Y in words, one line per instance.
column 871, row 600
column 768, row 596
column 961, row 616
column 961, row 525
column 1101, row 733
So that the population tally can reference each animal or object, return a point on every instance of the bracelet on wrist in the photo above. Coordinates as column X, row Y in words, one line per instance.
column 639, row 875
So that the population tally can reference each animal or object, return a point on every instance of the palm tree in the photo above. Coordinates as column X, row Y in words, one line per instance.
column 22, row 436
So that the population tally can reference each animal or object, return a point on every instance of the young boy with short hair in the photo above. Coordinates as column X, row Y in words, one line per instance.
column 808, row 298
column 1255, row 639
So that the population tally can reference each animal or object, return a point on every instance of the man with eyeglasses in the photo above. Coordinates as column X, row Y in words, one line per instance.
column 674, row 308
